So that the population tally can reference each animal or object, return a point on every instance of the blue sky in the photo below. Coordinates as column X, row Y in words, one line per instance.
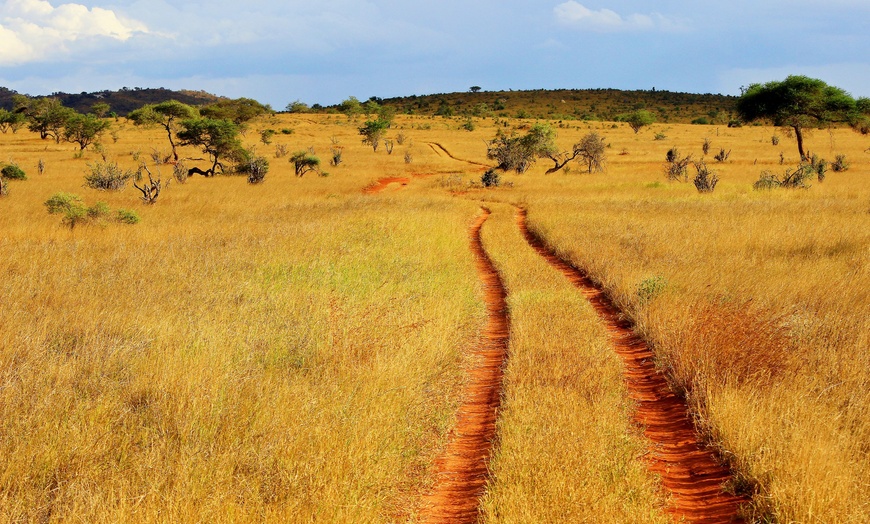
column 324, row 51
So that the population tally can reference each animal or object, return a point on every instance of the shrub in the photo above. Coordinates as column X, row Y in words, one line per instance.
column 650, row 288
column 98, row 210
column 266, row 136
column 408, row 157
column 774, row 140
column 839, row 164
column 722, row 155
column 491, row 178
column 790, row 179
column 660, row 136
column 256, row 168
column 71, row 206
column 126, row 216
column 705, row 181
column 706, row 146
column 400, row 138
column 304, row 163
column 13, row 172
column 40, row 167
column 702, row 121
column 107, row 176
column 820, row 166
column 287, row 131
column 468, row 125
column 180, row 172
column 676, row 168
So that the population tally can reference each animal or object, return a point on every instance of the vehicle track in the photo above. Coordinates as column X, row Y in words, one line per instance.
column 382, row 184
column 461, row 471
column 692, row 473
column 438, row 148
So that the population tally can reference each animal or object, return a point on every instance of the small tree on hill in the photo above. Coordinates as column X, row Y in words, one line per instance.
column 638, row 119
column 217, row 138
column 304, row 162
column 801, row 103
column 166, row 115
column 373, row 131
column 238, row 111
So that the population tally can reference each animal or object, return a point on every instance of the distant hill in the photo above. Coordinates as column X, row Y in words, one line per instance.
column 122, row 101
column 572, row 104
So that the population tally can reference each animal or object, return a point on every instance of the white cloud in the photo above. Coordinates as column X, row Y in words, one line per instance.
column 576, row 15
column 34, row 30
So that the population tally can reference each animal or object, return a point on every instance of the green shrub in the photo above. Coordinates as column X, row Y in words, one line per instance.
column 98, row 210
column 107, row 176
column 701, row 121
column 126, row 216
column 71, row 206
column 790, row 179
column 491, row 178
column 13, row 172
column 650, row 288
column 839, row 164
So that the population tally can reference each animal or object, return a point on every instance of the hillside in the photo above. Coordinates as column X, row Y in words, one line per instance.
column 571, row 104
column 122, row 101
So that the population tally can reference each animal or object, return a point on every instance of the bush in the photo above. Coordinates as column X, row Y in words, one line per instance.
column 706, row 146
column 491, row 178
column 660, row 136
column 676, row 168
column 107, row 176
column 839, row 164
column 774, row 140
column 71, row 206
column 705, row 181
column 820, row 166
column 256, row 168
column 722, row 155
column 180, row 172
column 98, row 210
column 126, row 216
column 701, row 121
column 650, row 288
column 13, row 172
column 791, row 179
column 304, row 163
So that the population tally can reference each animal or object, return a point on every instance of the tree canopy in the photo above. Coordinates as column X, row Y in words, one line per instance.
column 217, row 138
column 638, row 119
column 800, row 103
column 238, row 111
column 166, row 115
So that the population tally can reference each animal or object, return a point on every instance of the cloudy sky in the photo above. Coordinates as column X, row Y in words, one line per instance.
column 322, row 51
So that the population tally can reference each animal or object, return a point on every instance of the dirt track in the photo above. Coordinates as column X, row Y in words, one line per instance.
column 461, row 472
column 382, row 184
column 692, row 473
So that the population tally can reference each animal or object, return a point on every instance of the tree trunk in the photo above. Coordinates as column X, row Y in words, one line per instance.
column 800, row 141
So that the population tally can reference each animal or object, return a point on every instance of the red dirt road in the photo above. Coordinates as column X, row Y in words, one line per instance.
column 691, row 473
column 382, row 184
column 461, row 472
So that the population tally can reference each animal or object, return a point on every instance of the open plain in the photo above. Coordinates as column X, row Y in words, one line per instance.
column 299, row 350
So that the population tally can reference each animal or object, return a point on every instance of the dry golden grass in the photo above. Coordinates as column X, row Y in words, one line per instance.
column 292, row 351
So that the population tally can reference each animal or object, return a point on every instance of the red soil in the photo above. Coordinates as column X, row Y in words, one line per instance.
column 461, row 471
column 692, row 473
column 382, row 184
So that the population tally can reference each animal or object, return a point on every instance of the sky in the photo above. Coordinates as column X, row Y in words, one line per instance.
column 323, row 51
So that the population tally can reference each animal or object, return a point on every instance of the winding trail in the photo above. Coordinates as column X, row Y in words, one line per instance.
column 438, row 148
column 461, row 471
column 692, row 473
column 382, row 184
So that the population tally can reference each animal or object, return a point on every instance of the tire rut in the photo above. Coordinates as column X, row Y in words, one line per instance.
column 692, row 474
column 382, row 183
column 461, row 472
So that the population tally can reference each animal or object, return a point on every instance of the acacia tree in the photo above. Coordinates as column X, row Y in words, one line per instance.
column 518, row 153
column 84, row 129
column 46, row 116
column 11, row 120
column 590, row 150
column 373, row 131
column 239, row 110
column 166, row 115
column 801, row 103
column 638, row 119
column 217, row 138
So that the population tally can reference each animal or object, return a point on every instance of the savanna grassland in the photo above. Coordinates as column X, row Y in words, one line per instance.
column 295, row 351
